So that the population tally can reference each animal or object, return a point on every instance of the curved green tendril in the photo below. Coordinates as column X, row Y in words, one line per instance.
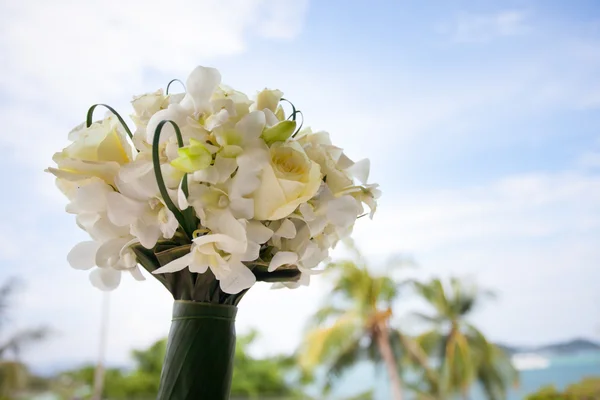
column 294, row 112
column 90, row 115
column 174, row 80
column 188, row 213
column 301, row 123
column 159, row 178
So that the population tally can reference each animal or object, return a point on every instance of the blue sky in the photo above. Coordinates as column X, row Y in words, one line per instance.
column 481, row 120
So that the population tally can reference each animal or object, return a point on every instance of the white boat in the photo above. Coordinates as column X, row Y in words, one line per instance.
column 529, row 361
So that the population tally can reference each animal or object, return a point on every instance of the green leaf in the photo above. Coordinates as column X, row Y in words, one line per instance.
column 90, row 116
column 159, row 178
column 166, row 256
column 200, row 352
column 169, row 85
column 282, row 274
column 279, row 132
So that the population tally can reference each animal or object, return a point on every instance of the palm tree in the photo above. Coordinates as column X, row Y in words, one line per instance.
column 354, row 324
column 464, row 355
column 13, row 373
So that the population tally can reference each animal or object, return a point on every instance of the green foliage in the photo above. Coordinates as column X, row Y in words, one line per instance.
column 587, row 389
column 13, row 374
column 258, row 378
column 254, row 378
column 13, row 377
column 345, row 330
column 465, row 355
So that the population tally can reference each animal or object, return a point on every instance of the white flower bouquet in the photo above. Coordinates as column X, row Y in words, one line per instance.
column 211, row 193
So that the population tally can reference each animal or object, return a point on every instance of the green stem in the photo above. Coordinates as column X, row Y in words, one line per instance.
column 188, row 214
column 301, row 123
column 169, row 85
column 159, row 178
column 294, row 112
column 90, row 115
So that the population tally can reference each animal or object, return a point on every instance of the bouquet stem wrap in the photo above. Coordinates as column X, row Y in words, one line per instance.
column 200, row 350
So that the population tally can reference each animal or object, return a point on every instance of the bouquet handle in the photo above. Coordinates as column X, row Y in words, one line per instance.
column 199, row 359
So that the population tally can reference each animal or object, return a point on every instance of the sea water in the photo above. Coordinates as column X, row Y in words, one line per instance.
column 562, row 371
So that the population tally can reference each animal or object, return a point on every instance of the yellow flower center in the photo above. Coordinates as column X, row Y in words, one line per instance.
column 289, row 163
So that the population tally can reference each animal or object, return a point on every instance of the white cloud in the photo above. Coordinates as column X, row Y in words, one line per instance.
column 91, row 49
column 531, row 237
column 485, row 27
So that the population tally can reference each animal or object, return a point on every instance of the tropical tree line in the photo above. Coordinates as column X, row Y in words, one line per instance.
column 358, row 323
column 445, row 361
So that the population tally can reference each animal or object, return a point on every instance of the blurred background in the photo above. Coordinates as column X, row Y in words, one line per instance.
column 481, row 120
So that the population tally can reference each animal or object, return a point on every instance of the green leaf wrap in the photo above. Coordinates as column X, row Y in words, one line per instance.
column 200, row 350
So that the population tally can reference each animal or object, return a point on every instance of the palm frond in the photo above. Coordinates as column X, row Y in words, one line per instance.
column 324, row 314
column 6, row 291
column 22, row 339
column 418, row 357
column 347, row 357
column 432, row 319
column 321, row 344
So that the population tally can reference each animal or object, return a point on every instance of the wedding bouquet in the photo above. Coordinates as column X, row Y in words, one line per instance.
column 211, row 193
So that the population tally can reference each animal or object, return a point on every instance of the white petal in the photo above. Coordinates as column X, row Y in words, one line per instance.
column 307, row 212
column 122, row 210
column 170, row 224
column 344, row 162
column 244, row 183
column 225, row 167
column 83, row 255
column 209, row 175
column 360, row 170
column 252, row 125
column 137, row 274
column 257, row 232
column 181, row 199
column 286, row 230
column 269, row 196
column 317, row 225
column 343, row 211
column 252, row 252
column 200, row 86
column 105, row 279
column 175, row 265
column 217, row 119
column 270, row 117
column 231, row 226
column 147, row 233
column 198, row 265
column 175, row 113
column 242, row 207
column 253, row 159
column 109, row 253
column 282, row 258
column 224, row 242
column 90, row 198
column 238, row 279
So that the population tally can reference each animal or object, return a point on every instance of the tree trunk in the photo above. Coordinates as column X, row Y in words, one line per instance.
column 383, row 342
column 99, row 372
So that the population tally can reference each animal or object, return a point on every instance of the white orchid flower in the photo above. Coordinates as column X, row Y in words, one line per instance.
column 149, row 220
column 111, row 257
column 89, row 203
column 215, row 251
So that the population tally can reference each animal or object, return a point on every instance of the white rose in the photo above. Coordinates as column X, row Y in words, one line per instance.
column 97, row 151
column 268, row 99
column 289, row 179
column 318, row 147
